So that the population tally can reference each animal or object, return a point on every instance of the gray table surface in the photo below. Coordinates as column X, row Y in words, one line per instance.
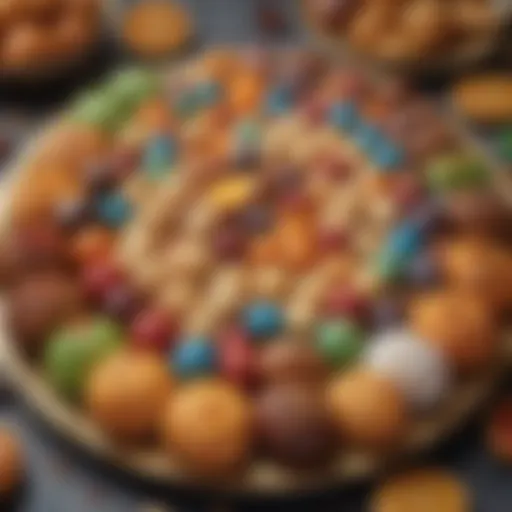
column 62, row 478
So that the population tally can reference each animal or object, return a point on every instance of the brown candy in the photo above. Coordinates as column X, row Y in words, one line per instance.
column 38, row 305
column 290, row 361
column 368, row 410
column 460, row 324
column 126, row 392
column 294, row 426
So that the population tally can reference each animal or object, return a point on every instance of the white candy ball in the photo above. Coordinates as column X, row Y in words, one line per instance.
column 417, row 368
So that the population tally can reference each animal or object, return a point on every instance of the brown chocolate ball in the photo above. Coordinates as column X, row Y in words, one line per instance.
column 290, row 361
column 38, row 305
column 294, row 425
column 481, row 213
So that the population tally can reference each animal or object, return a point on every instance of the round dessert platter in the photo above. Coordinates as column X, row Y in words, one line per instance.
column 416, row 37
column 256, row 272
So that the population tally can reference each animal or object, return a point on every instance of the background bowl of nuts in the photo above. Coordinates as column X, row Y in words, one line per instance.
column 412, row 35
column 42, row 38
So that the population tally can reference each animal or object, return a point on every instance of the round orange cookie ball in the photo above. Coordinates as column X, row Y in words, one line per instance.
column 126, row 393
column 481, row 267
column 11, row 463
column 208, row 426
column 459, row 323
column 367, row 409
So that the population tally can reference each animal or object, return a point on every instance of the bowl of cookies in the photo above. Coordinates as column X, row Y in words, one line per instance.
column 411, row 35
column 41, row 38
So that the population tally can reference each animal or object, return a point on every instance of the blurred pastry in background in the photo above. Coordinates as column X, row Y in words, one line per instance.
column 36, row 34
column 155, row 28
column 405, row 30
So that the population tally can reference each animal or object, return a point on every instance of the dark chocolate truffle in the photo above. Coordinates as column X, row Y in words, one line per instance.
column 294, row 426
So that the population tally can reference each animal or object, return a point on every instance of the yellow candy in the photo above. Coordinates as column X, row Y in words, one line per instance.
column 232, row 193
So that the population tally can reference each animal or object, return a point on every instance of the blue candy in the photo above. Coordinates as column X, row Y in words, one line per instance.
column 368, row 138
column 403, row 244
column 113, row 210
column 280, row 100
column 388, row 156
column 194, row 357
column 263, row 319
column 207, row 93
column 159, row 155
column 186, row 103
column 344, row 116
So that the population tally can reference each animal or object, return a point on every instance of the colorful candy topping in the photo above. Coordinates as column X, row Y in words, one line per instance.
column 280, row 257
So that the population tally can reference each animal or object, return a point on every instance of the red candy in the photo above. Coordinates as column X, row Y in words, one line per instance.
column 152, row 330
column 331, row 240
column 237, row 357
column 122, row 302
column 407, row 192
column 98, row 278
column 345, row 302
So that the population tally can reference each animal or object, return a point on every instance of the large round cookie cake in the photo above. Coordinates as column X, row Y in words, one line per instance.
column 255, row 271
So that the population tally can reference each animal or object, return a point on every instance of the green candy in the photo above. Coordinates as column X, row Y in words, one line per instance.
column 74, row 349
column 505, row 144
column 339, row 342
column 456, row 172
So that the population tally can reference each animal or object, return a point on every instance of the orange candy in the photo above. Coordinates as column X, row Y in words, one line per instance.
column 264, row 250
column 460, row 324
column 91, row 244
column 245, row 92
column 297, row 245
column 219, row 64
column 154, row 115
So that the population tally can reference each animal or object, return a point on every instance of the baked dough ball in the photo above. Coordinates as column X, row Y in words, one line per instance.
column 480, row 267
column 367, row 409
column 125, row 395
column 11, row 462
column 460, row 324
column 208, row 426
